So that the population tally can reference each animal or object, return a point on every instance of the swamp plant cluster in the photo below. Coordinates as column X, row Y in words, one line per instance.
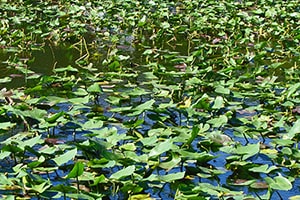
column 190, row 99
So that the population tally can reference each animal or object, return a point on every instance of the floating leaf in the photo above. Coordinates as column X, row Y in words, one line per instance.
column 140, row 197
column 63, row 188
column 241, row 182
column 222, row 90
column 66, row 157
column 166, row 178
column 137, row 92
column 94, row 88
column 40, row 188
column 293, row 131
column 92, row 124
column 31, row 142
column 4, row 154
column 80, row 92
column 296, row 197
column 279, row 183
column 172, row 163
column 248, row 150
column 6, row 125
column 143, row 107
column 200, row 157
column 80, row 100
column 291, row 90
column 11, row 148
column 122, row 57
column 186, row 103
column 65, row 69
column 263, row 169
column 121, row 109
column 128, row 171
column 149, row 141
column 37, row 162
column 148, row 52
column 172, row 177
column 5, row 80
column 79, row 196
column 165, row 25
column 218, row 121
column 161, row 148
column 35, row 113
column 218, row 103
column 128, row 147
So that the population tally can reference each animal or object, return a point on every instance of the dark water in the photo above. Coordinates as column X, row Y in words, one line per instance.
column 40, row 62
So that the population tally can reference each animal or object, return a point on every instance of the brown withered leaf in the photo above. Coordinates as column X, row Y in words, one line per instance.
column 181, row 67
column 296, row 110
column 53, row 141
column 259, row 185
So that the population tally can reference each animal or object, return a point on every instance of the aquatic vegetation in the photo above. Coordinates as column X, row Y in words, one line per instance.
column 149, row 99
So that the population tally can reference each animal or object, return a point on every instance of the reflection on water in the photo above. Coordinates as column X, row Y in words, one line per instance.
column 44, row 61
column 39, row 61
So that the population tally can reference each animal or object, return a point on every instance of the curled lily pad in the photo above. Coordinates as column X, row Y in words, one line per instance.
column 279, row 183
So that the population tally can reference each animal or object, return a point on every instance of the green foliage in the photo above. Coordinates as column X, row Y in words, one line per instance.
column 180, row 99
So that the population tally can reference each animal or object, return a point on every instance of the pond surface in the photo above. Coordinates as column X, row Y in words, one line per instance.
column 193, row 107
column 43, row 62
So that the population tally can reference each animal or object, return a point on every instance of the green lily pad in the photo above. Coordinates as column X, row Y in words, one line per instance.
column 66, row 157
column 263, row 169
column 161, row 148
column 128, row 171
column 76, row 171
column 248, row 150
column 279, row 183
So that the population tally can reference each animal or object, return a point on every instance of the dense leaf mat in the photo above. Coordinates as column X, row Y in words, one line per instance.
column 159, row 100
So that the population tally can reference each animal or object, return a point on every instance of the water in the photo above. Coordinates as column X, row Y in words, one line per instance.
column 43, row 62
column 39, row 62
